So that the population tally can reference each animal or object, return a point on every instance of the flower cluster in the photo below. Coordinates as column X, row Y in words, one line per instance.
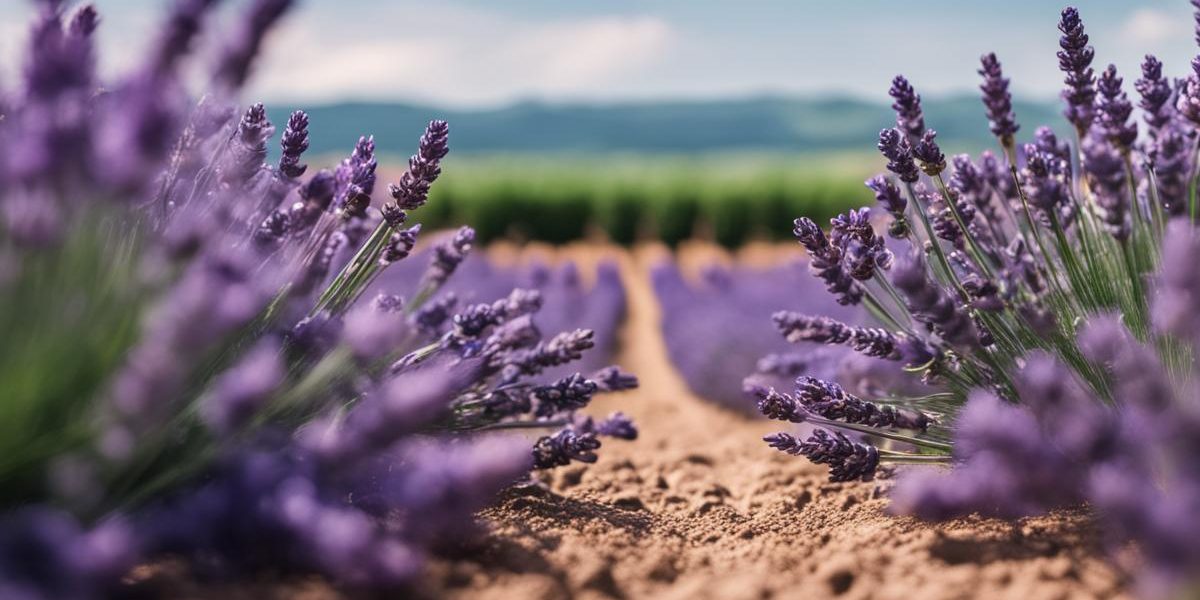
column 1006, row 298
column 215, row 359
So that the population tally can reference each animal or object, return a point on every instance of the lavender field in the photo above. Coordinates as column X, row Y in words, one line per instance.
column 618, row 348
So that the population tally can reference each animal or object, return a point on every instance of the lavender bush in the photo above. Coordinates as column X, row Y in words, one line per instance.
column 194, row 365
column 1051, row 290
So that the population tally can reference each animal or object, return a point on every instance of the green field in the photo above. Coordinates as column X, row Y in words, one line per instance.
column 725, row 198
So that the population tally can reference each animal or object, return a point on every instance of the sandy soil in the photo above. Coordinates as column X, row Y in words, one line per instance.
column 699, row 507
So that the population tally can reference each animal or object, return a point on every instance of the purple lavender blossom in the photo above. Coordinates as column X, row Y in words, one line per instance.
column 1172, row 169
column 565, row 395
column 1113, row 110
column 895, row 147
column 1075, row 60
column 929, row 156
column 613, row 379
column 563, row 447
column 889, row 198
column 907, row 105
column 248, row 148
column 1046, row 191
column 412, row 190
column 997, row 100
column 447, row 256
column 1106, row 177
column 618, row 426
column 294, row 142
column 825, row 262
column 830, row 401
column 1155, row 91
column 847, row 460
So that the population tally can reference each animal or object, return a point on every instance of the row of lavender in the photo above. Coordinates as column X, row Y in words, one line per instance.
column 1048, row 295
column 239, row 363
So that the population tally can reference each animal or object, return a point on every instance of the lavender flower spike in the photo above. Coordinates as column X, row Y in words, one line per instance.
column 929, row 155
column 1047, row 192
column 424, row 167
column 907, row 105
column 561, row 448
column 847, row 460
column 997, row 100
column 829, row 400
column 1106, row 178
column 895, row 147
column 1155, row 92
column 1188, row 101
column 1114, row 110
column 797, row 327
column 825, row 261
column 1075, row 60
column 448, row 255
column 888, row 196
column 293, row 143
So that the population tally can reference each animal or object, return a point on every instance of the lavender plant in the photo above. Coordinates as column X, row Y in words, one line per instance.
column 1052, row 296
column 193, row 363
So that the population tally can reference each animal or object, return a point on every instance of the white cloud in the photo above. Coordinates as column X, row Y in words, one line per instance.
column 1151, row 27
column 459, row 55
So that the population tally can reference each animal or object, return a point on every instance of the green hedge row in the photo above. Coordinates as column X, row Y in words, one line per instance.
column 729, row 200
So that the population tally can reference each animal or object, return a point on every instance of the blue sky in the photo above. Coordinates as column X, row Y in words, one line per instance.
column 493, row 52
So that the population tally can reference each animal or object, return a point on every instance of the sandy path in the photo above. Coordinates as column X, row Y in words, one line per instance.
column 699, row 507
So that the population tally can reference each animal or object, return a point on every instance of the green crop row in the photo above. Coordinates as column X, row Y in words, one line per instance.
column 726, row 199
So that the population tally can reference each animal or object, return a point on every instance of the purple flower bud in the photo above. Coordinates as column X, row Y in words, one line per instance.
column 929, row 156
column 293, row 143
column 1169, row 156
column 424, row 167
column 776, row 405
column 829, row 400
column 847, row 460
column 568, row 394
column 887, row 195
column 618, row 426
column 1114, row 109
column 447, row 256
column 561, row 448
column 1105, row 171
column 907, row 105
column 1155, row 91
column 1044, row 187
column 613, row 379
column 248, row 148
column 400, row 245
column 996, row 99
column 825, row 262
column 895, row 147
column 1075, row 60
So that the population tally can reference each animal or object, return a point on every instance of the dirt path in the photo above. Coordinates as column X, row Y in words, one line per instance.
column 699, row 507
